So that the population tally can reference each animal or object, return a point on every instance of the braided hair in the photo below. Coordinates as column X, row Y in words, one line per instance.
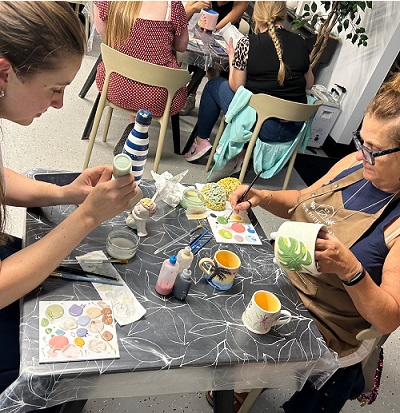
column 266, row 14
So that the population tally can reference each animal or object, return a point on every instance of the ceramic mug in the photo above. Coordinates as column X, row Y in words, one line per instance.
column 294, row 247
column 221, row 270
column 208, row 19
column 263, row 312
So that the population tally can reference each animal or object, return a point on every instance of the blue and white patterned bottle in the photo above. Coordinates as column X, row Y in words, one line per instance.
column 137, row 143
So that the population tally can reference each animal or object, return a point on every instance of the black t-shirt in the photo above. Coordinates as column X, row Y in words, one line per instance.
column 224, row 10
column 263, row 65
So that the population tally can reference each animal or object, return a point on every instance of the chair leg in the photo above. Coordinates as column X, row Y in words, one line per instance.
column 107, row 123
column 215, row 144
column 249, row 150
column 89, row 122
column 249, row 401
column 160, row 145
column 290, row 166
column 176, row 133
column 93, row 133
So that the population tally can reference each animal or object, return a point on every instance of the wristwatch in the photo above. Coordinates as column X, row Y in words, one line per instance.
column 356, row 279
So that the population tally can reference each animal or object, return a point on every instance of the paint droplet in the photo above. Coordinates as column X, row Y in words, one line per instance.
column 58, row 342
column 238, row 238
column 44, row 322
column 83, row 320
column 48, row 330
column 81, row 332
column 225, row 234
column 93, row 312
column 54, row 311
column 238, row 227
column 235, row 217
column 222, row 220
column 250, row 238
column 80, row 342
column 251, row 229
column 75, row 310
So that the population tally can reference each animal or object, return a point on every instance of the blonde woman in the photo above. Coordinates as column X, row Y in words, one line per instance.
column 271, row 60
column 149, row 31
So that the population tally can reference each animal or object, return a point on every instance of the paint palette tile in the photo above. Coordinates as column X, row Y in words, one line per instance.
column 237, row 230
column 76, row 330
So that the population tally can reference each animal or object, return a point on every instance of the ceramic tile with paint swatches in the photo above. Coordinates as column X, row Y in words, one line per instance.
column 237, row 230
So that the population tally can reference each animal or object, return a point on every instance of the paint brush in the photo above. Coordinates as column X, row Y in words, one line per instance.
column 79, row 271
column 92, row 261
column 246, row 192
column 74, row 277
column 195, row 243
column 197, row 248
column 174, row 241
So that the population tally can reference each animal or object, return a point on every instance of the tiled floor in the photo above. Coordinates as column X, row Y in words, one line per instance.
column 53, row 141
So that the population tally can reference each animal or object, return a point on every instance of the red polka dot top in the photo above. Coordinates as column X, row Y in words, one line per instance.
column 151, row 41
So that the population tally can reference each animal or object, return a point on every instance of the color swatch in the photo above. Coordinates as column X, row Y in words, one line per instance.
column 76, row 330
column 237, row 230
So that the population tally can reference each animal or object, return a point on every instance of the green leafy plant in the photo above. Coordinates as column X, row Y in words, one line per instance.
column 344, row 15
column 293, row 254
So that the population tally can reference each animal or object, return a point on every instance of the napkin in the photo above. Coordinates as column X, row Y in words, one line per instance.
column 126, row 307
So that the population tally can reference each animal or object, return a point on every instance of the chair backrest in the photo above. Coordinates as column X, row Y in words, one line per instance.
column 143, row 72
column 268, row 106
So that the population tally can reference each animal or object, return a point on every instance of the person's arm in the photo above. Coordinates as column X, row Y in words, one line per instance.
column 25, row 192
column 280, row 202
column 99, row 24
column 26, row 269
column 193, row 7
column 238, row 8
column 379, row 305
column 309, row 79
column 180, row 42
column 238, row 62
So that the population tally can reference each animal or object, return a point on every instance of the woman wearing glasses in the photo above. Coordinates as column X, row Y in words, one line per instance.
column 359, row 201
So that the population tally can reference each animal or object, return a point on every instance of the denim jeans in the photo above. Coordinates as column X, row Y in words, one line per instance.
column 217, row 96
column 345, row 384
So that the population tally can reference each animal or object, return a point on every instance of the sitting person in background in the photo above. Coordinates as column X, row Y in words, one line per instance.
column 274, row 61
column 149, row 31
column 358, row 200
column 38, row 60
column 228, row 12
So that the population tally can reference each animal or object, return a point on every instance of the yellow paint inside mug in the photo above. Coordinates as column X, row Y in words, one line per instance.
column 267, row 302
column 227, row 259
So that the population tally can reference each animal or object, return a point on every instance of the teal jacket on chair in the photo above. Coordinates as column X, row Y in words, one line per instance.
column 269, row 157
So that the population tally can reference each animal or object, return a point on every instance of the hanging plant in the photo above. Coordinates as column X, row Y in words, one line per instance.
column 344, row 16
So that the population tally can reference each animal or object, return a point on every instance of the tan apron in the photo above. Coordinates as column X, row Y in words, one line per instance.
column 324, row 295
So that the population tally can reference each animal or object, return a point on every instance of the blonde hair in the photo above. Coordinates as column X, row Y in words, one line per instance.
column 385, row 106
column 267, row 13
column 121, row 18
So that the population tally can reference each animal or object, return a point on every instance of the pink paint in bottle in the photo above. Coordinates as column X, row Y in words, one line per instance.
column 167, row 276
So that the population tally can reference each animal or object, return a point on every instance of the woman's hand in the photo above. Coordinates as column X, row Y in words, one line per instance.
column 77, row 191
column 108, row 197
column 254, row 196
column 334, row 257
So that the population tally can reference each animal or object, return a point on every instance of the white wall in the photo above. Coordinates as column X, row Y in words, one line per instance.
column 362, row 69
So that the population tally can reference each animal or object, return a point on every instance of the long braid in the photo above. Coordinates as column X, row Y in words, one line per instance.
column 278, row 48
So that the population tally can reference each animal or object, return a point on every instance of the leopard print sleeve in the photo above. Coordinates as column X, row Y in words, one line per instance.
column 241, row 54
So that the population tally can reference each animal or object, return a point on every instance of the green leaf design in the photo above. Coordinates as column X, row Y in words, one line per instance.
column 293, row 254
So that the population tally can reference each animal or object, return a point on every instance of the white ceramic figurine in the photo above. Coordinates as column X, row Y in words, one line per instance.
column 139, row 215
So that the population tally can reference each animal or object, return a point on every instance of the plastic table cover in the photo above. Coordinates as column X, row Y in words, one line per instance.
column 195, row 345
column 199, row 53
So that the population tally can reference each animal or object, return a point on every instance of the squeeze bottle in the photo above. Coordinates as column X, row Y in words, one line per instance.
column 167, row 276
column 137, row 143
column 184, row 258
column 122, row 165
column 182, row 284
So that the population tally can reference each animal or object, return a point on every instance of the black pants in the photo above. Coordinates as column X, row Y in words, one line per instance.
column 9, row 325
column 345, row 384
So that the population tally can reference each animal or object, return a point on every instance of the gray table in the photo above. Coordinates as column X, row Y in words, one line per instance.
column 177, row 347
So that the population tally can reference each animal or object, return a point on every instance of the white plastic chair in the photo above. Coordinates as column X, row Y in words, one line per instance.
column 144, row 72
column 268, row 106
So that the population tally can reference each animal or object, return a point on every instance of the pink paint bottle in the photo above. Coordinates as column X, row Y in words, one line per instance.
column 167, row 276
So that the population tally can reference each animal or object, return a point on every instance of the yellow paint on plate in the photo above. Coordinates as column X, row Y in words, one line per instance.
column 236, row 217
column 225, row 234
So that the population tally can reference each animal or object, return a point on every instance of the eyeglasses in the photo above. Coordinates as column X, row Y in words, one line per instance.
column 368, row 155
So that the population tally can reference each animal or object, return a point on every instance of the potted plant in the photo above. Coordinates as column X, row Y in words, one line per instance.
column 341, row 16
